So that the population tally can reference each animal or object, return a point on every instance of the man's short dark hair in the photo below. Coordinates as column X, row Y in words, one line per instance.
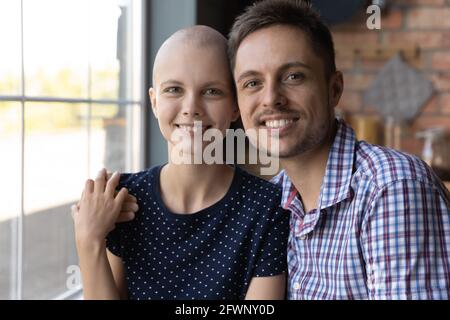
column 297, row 13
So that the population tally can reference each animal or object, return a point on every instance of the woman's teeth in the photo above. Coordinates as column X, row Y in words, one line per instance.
column 191, row 128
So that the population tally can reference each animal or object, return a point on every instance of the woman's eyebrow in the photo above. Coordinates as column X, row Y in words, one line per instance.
column 170, row 81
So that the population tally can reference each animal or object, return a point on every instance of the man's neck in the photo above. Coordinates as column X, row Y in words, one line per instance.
column 306, row 171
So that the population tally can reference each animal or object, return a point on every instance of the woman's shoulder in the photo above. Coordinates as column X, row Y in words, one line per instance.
column 256, row 183
column 258, row 191
column 131, row 180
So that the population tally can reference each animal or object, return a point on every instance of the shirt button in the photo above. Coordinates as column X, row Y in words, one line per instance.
column 303, row 237
column 296, row 285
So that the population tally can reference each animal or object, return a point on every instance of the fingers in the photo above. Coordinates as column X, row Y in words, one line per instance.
column 88, row 187
column 100, row 181
column 129, row 207
column 112, row 184
column 125, row 216
column 129, row 198
column 120, row 198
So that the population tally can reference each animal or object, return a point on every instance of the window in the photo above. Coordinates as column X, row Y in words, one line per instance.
column 70, row 104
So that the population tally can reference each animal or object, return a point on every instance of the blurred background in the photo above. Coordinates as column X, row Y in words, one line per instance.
column 74, row 76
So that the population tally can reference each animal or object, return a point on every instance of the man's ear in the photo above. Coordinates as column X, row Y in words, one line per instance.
column 336, row 87
column 152, row 95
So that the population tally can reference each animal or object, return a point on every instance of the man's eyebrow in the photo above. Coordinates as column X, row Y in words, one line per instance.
column 247, row 74
column 282, row 68
column 294, row 64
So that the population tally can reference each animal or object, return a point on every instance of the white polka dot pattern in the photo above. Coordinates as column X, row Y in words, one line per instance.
column 210, row 254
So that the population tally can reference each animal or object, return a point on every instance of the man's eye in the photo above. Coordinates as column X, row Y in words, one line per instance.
column 212, row 92
column 173, row 90
column 295, row 76
column 250, row 84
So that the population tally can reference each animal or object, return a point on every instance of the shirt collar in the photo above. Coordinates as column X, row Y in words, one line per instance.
column 338, row 173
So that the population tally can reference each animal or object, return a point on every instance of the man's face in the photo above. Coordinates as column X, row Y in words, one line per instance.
column 282, row 89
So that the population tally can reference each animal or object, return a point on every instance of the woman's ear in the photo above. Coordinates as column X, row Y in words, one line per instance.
column 236, row 113
column 152, row 95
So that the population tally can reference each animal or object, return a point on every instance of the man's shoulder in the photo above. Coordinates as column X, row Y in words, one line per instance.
column 384, row 165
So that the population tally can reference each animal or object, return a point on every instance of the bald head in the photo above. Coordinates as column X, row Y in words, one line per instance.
column 198, row 37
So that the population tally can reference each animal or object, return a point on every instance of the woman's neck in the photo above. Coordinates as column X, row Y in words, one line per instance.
column 191, row 188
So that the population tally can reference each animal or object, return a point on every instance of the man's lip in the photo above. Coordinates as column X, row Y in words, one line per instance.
column 278, row 117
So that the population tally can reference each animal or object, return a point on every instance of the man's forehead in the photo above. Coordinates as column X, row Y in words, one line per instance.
column 289, row 44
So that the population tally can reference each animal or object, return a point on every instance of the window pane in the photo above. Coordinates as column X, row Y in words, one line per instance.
column 10, row 63
column 115, row 138
column 115, row 47
column 10, row 164
column 56, row 165
column 56, row 51
column 105, row 64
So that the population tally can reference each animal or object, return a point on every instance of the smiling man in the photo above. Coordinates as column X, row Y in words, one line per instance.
column 367, row 222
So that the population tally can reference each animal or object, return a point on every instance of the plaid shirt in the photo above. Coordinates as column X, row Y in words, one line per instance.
column 381, row 230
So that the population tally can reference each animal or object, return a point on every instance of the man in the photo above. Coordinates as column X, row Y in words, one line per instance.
column 367, row 222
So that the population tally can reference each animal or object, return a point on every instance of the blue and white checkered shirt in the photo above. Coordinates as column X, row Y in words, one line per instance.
column 381, row 229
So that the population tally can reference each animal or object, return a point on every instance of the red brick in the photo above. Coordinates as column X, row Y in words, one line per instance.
column 431, row 107
column 343, row 39
column 441, row 81
column 411, row 144
column 344, row 64
column 424, row 122
column 445, row 104
column 393, row 20
column 428, row 18
column 441, row 60
column 358, row 81
column 420, row 2
column 350, row 102
column 423, row 39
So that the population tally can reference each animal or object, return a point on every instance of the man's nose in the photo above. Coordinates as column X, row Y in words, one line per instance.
column 273, row 96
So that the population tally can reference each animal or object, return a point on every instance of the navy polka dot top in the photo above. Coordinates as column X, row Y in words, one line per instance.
column 210, row 254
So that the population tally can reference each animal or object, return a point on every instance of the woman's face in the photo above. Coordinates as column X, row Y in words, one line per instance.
column 192, row 84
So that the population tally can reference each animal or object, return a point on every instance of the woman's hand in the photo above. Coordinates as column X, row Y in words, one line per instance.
column 98, row 209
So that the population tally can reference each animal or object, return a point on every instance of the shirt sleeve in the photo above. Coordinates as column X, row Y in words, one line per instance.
column 406, row 242
column 271, row 258
column 113, row 242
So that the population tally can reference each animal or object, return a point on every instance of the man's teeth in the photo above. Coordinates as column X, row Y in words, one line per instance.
column 278, row 123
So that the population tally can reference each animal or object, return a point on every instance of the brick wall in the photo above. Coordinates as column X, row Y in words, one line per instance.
column 425, row 23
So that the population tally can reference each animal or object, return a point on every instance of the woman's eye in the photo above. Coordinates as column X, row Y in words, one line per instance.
column 212, row 92
column 173, row 90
